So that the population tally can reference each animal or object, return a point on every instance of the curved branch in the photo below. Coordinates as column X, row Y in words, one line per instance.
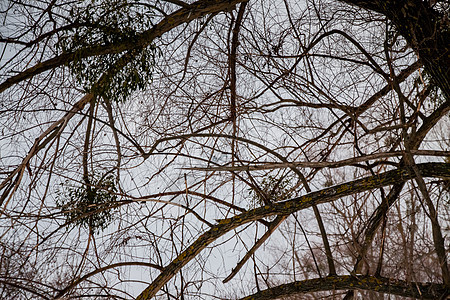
column 183, row 15
column 99, row 270
column 44, row 138
column 288, row 207
column 369, row 283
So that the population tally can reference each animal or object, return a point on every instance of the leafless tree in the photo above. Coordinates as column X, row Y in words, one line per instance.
column 224, row 149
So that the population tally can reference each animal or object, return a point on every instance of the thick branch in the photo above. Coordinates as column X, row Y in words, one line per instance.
column 377, row 216
column 288, row 207
column 370, row 283
column 183, row 15
column 425, row 31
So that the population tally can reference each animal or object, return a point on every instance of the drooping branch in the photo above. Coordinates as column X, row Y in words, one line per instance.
column 288, row 207
column 40, row 142
column 369, row 283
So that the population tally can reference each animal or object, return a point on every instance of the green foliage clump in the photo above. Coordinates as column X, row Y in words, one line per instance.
column 110, row 22
column 272, row 189
column 90, row 206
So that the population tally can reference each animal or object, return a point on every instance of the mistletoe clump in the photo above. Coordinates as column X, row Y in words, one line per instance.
column 110, row 23
column 90, row 206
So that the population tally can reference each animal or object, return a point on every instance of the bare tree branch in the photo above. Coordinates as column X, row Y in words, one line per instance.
column 288, row 207
column 383, row 285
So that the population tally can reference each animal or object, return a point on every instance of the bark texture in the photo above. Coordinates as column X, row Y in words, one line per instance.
column 370, row 283
column 425, row 29
column 288, row 207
